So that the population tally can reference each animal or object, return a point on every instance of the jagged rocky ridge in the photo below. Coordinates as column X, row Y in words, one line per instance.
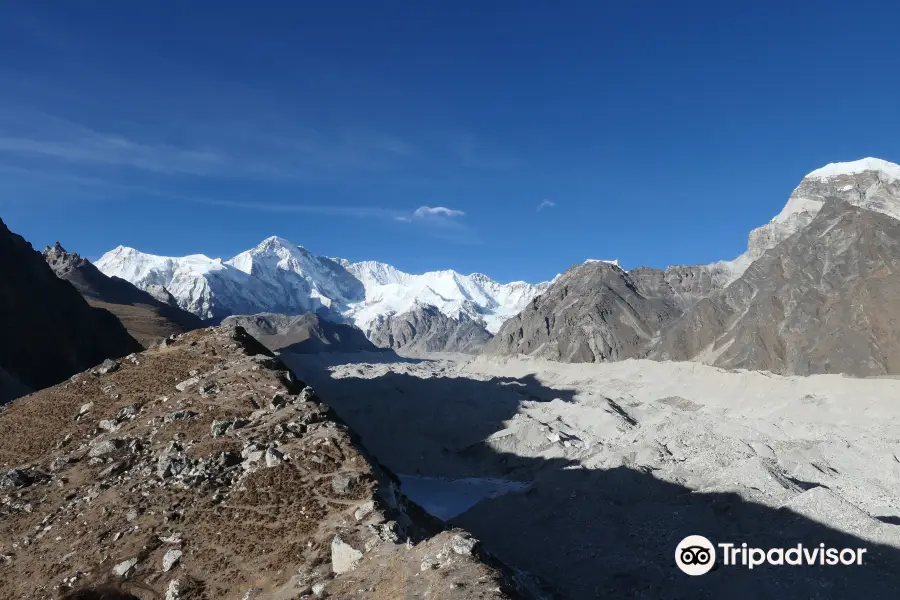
column 149, row 316
column 204, row 469
column 809, row 296
column 594, row 312
column 304, row 334
column 426, row 329
column 821, row 301
column 50, row 331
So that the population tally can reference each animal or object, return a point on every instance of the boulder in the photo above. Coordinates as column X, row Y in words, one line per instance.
column 344, row 557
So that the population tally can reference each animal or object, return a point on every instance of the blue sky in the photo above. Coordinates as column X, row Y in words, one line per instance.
column 653, row 132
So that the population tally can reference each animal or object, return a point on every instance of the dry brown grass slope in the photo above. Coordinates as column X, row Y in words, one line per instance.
column 146, row 318
column 204, row 470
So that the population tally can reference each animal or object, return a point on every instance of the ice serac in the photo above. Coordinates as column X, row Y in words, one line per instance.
column 426, row 329
column 824, row 300
column 869, row 183
column 594, row 312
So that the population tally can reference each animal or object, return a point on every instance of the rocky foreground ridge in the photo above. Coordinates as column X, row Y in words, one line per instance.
column 203, row 469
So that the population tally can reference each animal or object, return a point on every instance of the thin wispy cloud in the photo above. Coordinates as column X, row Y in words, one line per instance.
column 143, row 192
column 545, row 204
column 355, row 212
column 478, row 152
column 435, row 221
column 269, row 148
column 259, row 151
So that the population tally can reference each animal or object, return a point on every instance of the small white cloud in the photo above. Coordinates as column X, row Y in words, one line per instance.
column 436, row 211
column 442, row 222
column 546, row 204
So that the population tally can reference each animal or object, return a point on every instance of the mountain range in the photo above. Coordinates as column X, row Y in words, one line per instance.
column 278, row 276
column 814, row 292
column 816, row 248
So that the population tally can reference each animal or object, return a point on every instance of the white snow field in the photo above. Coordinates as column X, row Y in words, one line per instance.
column 281, row 277
column 622, row 460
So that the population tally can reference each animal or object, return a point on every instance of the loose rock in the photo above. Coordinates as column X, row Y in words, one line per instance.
column 123, row 568
column 108, row 366
column 184, row 385
column 170, row 559
column 344, row 557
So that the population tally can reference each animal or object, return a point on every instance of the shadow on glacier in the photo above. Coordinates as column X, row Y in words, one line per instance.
column 423, row 426
column 602, row 533
column 324, row 358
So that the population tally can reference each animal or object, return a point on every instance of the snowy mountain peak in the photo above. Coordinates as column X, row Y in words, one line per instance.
column 281, row 277
column 276, row 240
column 120, row 253
column 614, row 263
column 372, row 273
column 831, row 170
column 869, row 183
column 277, row 245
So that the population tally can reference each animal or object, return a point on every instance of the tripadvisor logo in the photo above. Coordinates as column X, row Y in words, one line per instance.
column 696, row 555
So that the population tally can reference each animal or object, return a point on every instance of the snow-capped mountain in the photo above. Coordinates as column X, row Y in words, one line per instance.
column 201, row 285
column 303, row 280
column 390, row 291
column 278, row 276
column 870, row 183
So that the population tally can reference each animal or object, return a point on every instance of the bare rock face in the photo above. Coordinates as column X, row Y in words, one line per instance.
column 821, row 301
column 811, row 294
column 868, row 183
column 682, row 285
column 594, row 312
column 427, row 329
column 50, row 332
column 303, row 334
column 175, row 499
column 148, row 317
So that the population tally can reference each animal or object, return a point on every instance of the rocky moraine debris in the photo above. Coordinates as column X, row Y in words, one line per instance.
column 203, row 469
